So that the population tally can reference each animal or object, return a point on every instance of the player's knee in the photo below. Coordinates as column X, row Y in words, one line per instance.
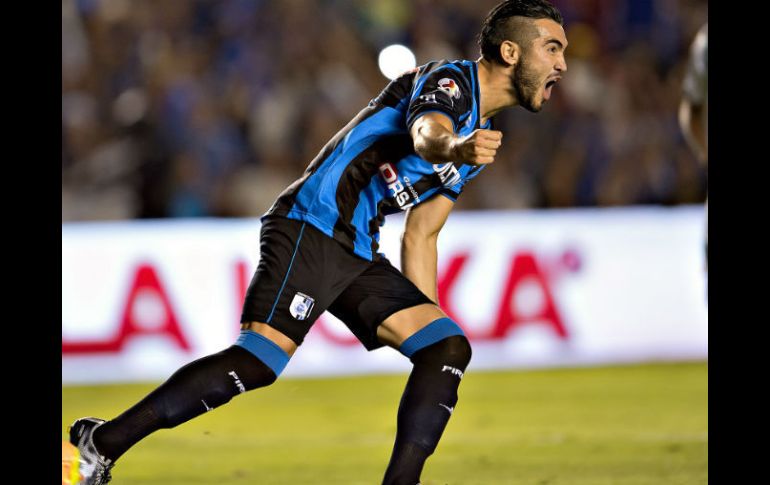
column 454, row 351
column 262, row 354
column 252, row 372
column 441, row 341
column 457, row 349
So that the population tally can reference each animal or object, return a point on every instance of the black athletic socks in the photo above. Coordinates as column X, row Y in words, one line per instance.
column 406, row 464
column 426, row 405
column 192, row 390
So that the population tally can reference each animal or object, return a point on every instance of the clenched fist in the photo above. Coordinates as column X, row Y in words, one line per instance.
column 478, row 148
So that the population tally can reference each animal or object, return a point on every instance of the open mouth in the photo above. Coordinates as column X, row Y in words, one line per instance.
column 548, row 86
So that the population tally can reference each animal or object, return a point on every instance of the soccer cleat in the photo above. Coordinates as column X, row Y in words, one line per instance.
column 94, row 468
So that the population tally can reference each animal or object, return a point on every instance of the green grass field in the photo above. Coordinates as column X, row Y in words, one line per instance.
column 630, row 425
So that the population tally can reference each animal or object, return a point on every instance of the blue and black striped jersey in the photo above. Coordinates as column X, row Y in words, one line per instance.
column 369, row 169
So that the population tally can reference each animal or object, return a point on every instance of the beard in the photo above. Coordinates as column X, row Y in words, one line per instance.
column 526, row 82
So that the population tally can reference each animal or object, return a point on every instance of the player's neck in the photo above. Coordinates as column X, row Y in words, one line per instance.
column 495, row 92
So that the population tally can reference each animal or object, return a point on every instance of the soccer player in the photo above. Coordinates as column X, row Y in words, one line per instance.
column 413, row 149
column 693, row 108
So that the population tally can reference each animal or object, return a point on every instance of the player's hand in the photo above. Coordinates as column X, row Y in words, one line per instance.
column 478, row 148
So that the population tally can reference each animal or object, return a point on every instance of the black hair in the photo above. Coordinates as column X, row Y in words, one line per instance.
column 496, row 27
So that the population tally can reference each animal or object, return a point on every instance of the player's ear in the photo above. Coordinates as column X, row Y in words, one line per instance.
column 510, row 52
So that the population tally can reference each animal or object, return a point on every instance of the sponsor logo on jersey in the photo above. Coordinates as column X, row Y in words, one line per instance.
column 400, row 189
column 301, row 306
column 450, row 87
column 448, row 173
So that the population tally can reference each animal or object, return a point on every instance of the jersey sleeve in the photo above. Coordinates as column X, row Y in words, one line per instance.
column 453, row 192
column 446, row 91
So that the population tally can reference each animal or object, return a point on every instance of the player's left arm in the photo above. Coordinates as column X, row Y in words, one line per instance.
column 419, row 254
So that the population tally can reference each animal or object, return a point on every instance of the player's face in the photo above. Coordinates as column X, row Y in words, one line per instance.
column 542, row 64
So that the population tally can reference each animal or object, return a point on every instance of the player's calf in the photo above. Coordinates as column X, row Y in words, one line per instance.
column 200, row 386
column 440, row 353
column 431, row 393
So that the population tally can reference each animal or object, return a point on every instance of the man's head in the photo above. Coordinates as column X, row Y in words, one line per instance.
column 526, row 38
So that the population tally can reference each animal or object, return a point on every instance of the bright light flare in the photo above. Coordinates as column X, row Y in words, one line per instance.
column 395, row 59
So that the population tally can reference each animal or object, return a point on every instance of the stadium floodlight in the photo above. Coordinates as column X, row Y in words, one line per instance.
column 395, row 59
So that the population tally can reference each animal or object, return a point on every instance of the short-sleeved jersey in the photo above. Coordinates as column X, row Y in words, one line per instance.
column 369, row 169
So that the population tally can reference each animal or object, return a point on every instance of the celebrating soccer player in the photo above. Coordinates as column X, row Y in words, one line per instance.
column 413, row 149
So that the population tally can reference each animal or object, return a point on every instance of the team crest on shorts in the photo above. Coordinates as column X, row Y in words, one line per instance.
column 301, row 306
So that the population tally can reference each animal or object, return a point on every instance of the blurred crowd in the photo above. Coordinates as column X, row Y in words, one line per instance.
column 177, row 108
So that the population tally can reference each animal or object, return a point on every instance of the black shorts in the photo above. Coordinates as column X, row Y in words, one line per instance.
column 302, row 272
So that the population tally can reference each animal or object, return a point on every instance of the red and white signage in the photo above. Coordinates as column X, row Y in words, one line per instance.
column 530, row 288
